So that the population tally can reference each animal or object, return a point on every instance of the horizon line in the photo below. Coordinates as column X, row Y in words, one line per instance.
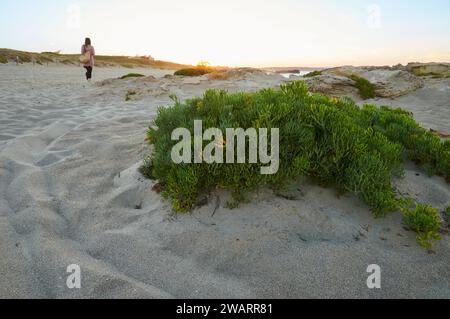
column 266, row 66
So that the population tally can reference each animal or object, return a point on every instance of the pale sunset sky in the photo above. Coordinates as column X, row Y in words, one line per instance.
column 236, row 32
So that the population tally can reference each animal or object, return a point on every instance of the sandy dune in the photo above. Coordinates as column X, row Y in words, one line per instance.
column 70, row 193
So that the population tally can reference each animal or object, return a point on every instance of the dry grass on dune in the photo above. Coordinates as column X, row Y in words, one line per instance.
column 8, row 55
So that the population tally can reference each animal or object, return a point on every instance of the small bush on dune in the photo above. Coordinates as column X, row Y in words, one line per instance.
column 3, row 59
column 312, row 74
column 193, row 72
column 336, row 143
column 365, row 88
column 24, row 58
column 426, row 221
column 131, row 75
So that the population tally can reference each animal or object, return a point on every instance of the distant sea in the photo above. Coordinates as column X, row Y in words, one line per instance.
column 293, row 72
column 299, row 74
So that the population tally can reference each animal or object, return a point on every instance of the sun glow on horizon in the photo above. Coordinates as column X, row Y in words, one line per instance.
column 237, row 33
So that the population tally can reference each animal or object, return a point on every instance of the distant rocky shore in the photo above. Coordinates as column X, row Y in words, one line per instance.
column 388, row 82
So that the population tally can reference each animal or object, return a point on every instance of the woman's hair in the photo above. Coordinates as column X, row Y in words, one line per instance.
column 87, row 41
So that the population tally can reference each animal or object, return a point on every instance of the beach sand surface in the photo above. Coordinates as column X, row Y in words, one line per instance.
column 70, row 193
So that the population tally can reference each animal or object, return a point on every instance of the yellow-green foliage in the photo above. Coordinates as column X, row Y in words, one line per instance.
column 3, row 59
column 426, row 221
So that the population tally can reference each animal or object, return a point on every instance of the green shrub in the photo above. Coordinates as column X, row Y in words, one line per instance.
column 334, row 142
column 193, row 72
column 3, row 59
column 365, row 88
column 312, row 74
column 421, row 146
column 426, row 221
column 132, row 75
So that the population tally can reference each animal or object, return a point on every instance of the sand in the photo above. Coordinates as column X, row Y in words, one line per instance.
column 70, row 193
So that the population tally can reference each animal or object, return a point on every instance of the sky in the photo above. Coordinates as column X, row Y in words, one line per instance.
column 255, row 33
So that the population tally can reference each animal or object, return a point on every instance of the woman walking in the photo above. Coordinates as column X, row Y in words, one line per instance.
column 88, row 53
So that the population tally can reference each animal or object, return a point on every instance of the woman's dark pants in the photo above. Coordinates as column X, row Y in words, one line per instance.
column 88, row 72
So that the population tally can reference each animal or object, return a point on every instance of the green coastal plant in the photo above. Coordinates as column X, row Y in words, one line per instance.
column 334, row 142
column 131, row 75
column 425, row 221
column 421, row 146
column 193, row 71
column 312, row 74
column 365, row 88
column 3, row 59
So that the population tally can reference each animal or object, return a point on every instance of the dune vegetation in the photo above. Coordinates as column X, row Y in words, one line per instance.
column 198, row 71
column 132, row 75
column 333, row 142
column 365, row 88
column 312, row 74
column 100, row 60
column 425, row 221
column 8, row 55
